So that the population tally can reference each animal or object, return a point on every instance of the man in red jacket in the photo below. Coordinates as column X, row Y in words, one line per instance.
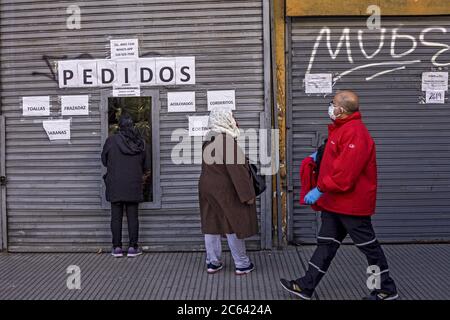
column 346, row 194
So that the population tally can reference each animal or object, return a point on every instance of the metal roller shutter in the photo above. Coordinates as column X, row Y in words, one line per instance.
column 413, row 138
column 53, row 192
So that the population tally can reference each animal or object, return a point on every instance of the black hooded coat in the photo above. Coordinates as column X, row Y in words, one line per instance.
column 126, row 163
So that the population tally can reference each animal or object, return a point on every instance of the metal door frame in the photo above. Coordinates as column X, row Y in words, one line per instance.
column 3, row 220
column 289, row 153
column 290, row 138
column 156, row 161
column 266, row 123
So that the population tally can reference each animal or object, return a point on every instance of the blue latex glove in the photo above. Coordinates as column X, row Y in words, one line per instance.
column 314, row 156
column 313, row 196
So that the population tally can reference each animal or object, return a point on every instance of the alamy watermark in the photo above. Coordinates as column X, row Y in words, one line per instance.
column 374, row 280
column 73, row 282
column 262, row 146
column 374, row 21
column 74, row 19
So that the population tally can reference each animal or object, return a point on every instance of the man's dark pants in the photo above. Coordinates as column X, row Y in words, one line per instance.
column 333, row 231
column 131, row 209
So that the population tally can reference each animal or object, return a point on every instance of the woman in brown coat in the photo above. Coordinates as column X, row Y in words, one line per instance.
column 226, row 194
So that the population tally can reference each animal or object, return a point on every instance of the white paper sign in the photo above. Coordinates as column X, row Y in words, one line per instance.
column 181, row 101
column 221, row 100
column 68, row 73
column 124, row 49
column 435, row 96
column 132, row 91
column 126, row 74
column 434, row 81
column 57, row 129
column 74, row 105
column 185, row 69
column 147, row 71
column 144, row 72
column 198, row 126
column 166, row 71
column 106, row 73
column 318, row 83
column 87, row 73
column 36, row 106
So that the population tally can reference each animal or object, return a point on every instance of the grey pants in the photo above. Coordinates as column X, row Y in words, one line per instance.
column 237, row 247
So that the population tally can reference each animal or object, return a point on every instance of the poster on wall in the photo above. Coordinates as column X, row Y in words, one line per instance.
column 181, row 101
column 36, row 106
column 435, row 81
column 166, row 71
column 224, row 99
column 318, row 83
column 143, row 71
column 435, row 97
column 185, row 70
column 87, row 73
column 106, row 73
column 198, row 126
column 57, row 129
column 75, row 105
column 126, row 91
column 124, row 49
column 127, row 75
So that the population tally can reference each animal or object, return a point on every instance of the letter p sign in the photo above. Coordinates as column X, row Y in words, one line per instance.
column 374, row 280
column 74, row 280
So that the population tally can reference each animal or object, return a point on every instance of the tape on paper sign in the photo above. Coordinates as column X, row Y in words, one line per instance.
column 36, row 106
column 57, row 129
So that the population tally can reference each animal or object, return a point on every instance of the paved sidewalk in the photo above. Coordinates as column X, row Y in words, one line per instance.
column 421, row 272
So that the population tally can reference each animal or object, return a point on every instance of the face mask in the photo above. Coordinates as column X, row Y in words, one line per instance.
column 331, row 112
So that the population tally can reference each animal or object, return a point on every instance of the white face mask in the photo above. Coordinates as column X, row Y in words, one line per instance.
column 331, row 112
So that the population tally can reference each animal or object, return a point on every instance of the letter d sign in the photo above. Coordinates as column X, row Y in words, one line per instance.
column 74, row 280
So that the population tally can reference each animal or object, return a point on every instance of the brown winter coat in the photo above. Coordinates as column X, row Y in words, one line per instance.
column 223, row 191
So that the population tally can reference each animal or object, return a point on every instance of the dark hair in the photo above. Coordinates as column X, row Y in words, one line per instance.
column 127, row 129
column 125, row 121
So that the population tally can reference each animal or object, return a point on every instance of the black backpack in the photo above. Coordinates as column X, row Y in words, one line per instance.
column 259, row 183
column 319, row 155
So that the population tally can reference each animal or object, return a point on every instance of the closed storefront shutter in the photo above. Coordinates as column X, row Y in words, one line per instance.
column 412, row 137
column 54, row 188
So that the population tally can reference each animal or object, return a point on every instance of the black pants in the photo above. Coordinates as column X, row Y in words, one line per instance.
column 116, row 222
column 335, row 228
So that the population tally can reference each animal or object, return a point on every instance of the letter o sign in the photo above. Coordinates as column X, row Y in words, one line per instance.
column 165, row 71
column 166, row 74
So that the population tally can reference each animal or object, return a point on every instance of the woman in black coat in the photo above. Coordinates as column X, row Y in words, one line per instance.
column 124, row 156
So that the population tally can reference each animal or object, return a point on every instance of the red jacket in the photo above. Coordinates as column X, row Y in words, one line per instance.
column 348, row 171
column 308, row 179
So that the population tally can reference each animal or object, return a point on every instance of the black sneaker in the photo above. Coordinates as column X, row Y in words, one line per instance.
column 293, row 287
column 377, row 295
column 212, row 268
column 242, row 271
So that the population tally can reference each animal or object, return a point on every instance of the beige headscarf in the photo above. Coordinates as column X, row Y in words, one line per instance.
column 222, row 121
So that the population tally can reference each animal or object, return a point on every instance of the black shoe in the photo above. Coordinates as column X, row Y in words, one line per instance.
column 242, row 271
column 212, row 268
column 378, row 295
column 293, row 287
